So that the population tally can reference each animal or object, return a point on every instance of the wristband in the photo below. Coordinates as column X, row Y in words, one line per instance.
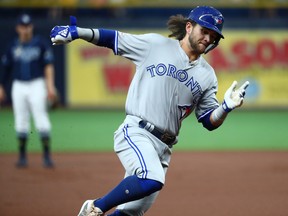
column 225, row 107
column 73, row 28
column 73, row 32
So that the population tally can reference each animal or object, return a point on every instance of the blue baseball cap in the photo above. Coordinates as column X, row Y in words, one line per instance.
column 24, row 19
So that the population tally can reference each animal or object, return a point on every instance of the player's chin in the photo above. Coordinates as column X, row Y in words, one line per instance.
column 202, row 48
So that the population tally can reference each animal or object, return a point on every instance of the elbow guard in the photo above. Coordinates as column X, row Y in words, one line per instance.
column 205, row 120
column 108, row 38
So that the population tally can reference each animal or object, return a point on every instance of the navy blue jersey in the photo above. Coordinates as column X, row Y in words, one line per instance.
column 27, row 60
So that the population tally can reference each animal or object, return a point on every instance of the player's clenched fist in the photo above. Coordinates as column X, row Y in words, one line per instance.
column 234, row 97
column 64, row 34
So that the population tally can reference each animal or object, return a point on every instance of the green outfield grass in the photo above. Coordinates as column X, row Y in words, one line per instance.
column 83, row 131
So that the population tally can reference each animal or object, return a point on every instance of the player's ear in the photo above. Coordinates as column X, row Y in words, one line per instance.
column 189, row 27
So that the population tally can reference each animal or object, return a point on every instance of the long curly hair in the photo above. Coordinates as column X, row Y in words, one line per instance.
column 177, row 25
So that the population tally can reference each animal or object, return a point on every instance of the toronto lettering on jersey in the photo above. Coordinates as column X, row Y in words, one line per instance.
column 181, row 75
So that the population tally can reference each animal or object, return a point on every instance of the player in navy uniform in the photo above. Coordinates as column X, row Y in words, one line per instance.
column 30, row 60
column 172, row 79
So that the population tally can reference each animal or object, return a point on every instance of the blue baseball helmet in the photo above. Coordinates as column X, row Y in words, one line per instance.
column 208, row 17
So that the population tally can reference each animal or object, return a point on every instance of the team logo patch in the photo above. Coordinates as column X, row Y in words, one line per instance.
column 209, row 18
column 64, row 32
column 218, row 20
column 185, row 110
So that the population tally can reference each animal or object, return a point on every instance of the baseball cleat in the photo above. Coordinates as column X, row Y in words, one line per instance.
column 88, row 209
column 48, row 163
column 22, row 163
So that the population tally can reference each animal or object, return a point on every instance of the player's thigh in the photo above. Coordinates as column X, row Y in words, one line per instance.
column 38, row 101
column 137, row 154
column 20, row 106
column 38, row 96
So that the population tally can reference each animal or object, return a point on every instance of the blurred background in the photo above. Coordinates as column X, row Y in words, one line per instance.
column 92, row 84
column 255, row 48
column 255, row 45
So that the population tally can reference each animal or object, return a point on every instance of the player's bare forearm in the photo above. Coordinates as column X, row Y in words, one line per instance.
column 2, row 94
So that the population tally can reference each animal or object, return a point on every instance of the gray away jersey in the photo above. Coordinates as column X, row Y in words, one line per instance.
column 166, row 87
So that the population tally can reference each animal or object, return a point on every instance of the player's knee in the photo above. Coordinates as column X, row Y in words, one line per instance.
column 150, row 186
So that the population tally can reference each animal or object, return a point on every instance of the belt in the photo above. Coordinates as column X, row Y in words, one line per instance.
column 167, row 138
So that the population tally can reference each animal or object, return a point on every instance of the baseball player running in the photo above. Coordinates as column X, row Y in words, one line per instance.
column 172, row 79
column 30, row 60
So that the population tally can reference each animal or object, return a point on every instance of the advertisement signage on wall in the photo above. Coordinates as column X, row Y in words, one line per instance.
column 98, row 78
column 258, row 56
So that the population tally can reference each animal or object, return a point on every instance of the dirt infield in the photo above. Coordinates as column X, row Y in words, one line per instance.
column 198, row 184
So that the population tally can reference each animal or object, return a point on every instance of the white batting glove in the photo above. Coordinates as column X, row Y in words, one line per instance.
column 234, row 97
column 64, row 34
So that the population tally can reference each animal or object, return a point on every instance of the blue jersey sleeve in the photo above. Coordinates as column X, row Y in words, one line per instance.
column 205, row 120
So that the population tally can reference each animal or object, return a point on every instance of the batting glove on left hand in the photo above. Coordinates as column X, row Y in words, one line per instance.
column 234, row 97
column 64, row 34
